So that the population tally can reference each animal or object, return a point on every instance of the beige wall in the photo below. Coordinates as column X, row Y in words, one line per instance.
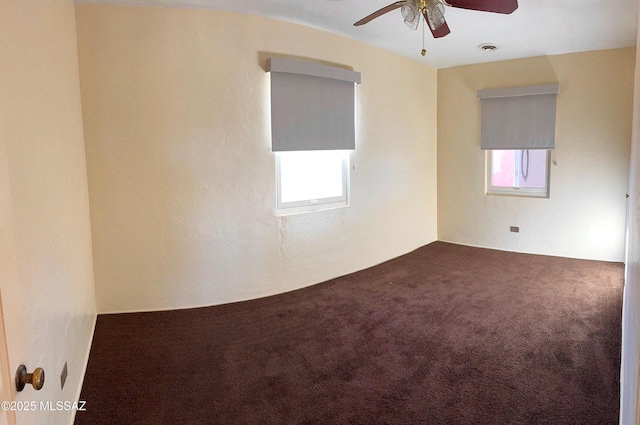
column 631, row 307
column 585, row 215
column 182, row 183
column 47, row 276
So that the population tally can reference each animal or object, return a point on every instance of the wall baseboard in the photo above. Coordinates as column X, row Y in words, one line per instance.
column 84, row 368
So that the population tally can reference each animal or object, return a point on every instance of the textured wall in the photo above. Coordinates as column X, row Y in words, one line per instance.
column 631, row 307
column 585, row 215
column 182, row 184
column 47, row 275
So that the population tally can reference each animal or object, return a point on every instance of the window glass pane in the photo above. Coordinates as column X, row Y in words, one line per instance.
column 503, row 168
column 525, row 168
column 531, row 168
column 311, row 175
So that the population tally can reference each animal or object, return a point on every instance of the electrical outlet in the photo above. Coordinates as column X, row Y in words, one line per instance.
column 514, row 229
column 63, row 376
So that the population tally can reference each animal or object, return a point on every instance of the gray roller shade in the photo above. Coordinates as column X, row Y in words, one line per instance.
column 519, row 117
column 312, row 106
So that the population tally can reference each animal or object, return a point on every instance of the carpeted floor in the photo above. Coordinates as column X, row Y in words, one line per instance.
column 447, row 334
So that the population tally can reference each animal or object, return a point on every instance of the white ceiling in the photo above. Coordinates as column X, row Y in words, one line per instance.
column 538, row 27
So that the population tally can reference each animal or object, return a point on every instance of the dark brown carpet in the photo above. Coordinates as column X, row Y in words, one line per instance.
column 444, row 335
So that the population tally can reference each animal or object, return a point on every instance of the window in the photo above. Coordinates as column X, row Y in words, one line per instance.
column 523, row 172
column 518, row 130
column 312, row 180
column 312, row 133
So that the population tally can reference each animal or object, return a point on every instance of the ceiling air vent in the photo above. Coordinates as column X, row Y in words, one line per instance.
column 488, row 47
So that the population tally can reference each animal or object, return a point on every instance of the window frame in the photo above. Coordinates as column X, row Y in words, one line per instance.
column 320, row 204
column 530, row 192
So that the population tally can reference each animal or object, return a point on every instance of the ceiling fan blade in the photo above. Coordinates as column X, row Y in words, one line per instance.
column 496, row 6
column 439, row 32
column 374, row 15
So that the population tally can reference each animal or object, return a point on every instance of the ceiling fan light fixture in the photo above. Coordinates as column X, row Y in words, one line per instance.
column 411, row 14
column 435, row 14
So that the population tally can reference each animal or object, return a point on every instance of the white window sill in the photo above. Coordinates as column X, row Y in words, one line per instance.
column 517, row 193
column 309, row 209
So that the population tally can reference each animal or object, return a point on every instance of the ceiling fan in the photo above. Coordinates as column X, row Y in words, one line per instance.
column 433, row 12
